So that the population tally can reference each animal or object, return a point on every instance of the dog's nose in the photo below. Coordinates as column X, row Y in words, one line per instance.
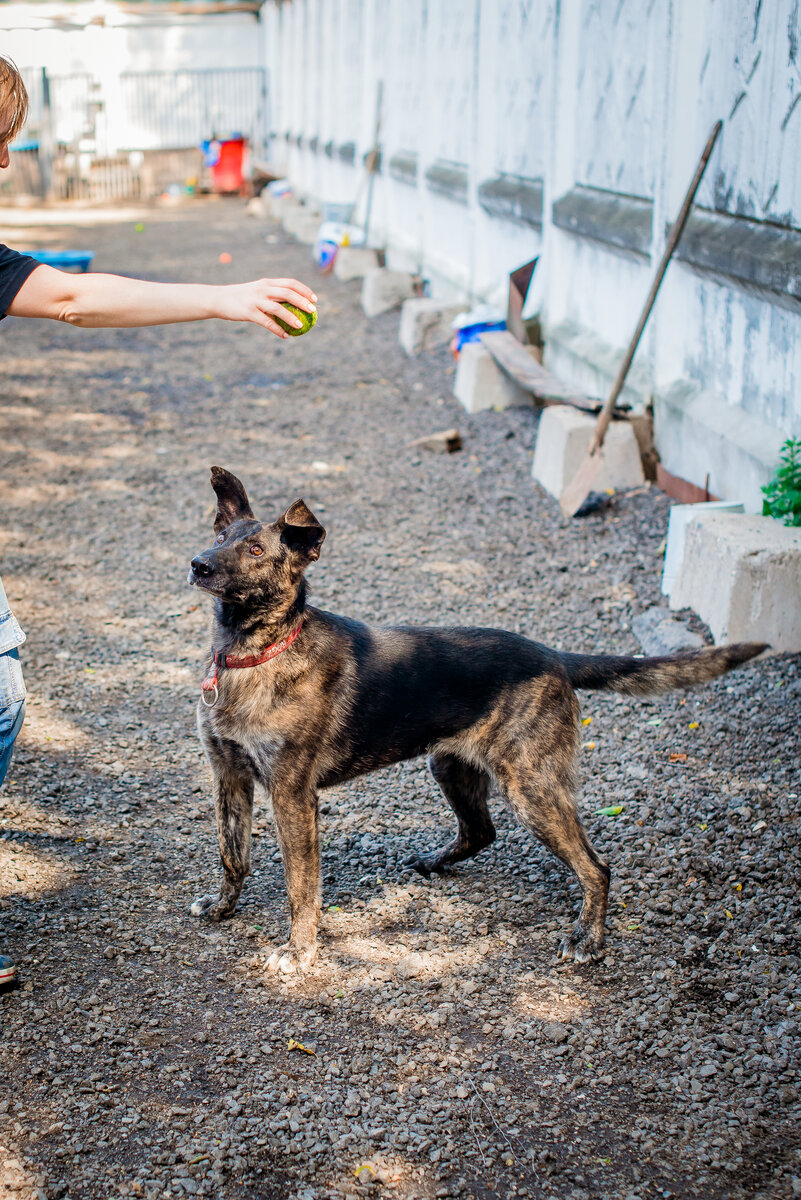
column 202, row 566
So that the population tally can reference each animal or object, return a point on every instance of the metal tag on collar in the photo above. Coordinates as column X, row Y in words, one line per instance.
column 209, row 684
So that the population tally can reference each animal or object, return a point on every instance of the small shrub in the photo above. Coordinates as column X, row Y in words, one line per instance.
column 783, row 493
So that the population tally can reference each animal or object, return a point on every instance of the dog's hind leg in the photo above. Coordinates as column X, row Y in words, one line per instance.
column 466, row 788
column 543, row 802
column 530, row 746
column 233, row 800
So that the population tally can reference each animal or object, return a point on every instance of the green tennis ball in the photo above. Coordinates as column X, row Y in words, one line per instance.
column 307, row 318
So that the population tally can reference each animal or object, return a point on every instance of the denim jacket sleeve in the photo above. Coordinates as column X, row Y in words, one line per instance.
column 12, row 687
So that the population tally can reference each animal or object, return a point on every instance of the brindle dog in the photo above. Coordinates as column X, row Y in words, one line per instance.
column 343, row 699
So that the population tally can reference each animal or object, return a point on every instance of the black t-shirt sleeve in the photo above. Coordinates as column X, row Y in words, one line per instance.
column 14, row 270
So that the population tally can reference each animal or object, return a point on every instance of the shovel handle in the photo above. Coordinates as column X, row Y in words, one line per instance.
column 372, row 161
column 605, row 415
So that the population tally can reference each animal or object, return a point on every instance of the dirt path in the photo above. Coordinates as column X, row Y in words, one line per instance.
column 146, row 1054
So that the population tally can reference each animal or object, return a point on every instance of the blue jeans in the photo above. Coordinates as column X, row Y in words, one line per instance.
column 11, row 718
column 12, row 685
column 12, row 698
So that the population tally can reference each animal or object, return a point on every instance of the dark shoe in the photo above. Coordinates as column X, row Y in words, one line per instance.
column 8, row 971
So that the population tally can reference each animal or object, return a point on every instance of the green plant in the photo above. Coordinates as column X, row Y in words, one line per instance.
column 783, row 493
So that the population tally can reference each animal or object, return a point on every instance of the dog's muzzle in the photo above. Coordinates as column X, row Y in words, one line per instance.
column 200, row 571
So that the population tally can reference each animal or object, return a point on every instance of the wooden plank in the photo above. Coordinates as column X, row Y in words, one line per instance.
column 516, row 362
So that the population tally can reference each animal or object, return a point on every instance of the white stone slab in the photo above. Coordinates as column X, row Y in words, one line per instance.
column 296, row 218
column 563, row 439
column 678, row 520
column 480, row 384
column 383, row 290
column 306, row 229
column 290, row 208
column 742, row 575
column 425, row 323
column 258, row 206
column 353, row 262
column 271, row 205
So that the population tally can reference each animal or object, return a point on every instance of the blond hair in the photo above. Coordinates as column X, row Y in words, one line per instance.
column 13, row 97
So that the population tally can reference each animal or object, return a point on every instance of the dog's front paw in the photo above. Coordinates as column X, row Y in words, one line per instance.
column 581, row 946
column 213, row 908
column 288, row 959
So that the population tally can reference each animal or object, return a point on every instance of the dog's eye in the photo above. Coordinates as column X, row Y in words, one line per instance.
column 220, row 538
column 256, row 550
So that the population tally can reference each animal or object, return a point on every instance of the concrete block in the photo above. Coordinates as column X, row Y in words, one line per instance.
column 295, row 217
column 426, row 323
column 258, row 206
column 353, row 262
column 678, row 519
column 383, row 290
column 742, row 575
column 480, row 384
column 306, row 228
column 276, row 206
column 563, row 439
column 290, row 208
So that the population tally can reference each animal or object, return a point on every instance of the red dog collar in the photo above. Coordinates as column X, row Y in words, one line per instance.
column 229, row 661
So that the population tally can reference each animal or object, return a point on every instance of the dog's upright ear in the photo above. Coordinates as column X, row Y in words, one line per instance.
column 301, row 532
column 232, row 499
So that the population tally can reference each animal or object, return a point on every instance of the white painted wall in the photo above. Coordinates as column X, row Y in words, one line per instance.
column 613, row 94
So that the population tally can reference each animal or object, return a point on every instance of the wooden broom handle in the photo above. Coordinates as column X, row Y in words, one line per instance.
column 605, row 415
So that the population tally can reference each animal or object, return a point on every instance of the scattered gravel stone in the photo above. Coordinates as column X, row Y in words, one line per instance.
column 555, row 1032
column 411, row 966
column 660, row 633
column 145, row 1054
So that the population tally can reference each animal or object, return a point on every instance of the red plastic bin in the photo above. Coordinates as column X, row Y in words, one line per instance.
column 228, row 173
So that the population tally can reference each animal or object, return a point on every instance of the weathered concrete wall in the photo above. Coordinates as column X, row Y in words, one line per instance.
column 569, row 129
column 447, row 69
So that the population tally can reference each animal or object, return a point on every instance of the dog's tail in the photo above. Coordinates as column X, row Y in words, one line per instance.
column 649, row 676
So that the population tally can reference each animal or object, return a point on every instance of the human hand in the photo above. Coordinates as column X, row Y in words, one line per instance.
column 261, row 301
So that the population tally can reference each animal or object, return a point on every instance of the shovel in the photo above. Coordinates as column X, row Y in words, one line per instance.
column 584, row 480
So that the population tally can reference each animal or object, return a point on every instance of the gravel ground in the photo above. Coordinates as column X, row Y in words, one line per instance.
column 147, row 1055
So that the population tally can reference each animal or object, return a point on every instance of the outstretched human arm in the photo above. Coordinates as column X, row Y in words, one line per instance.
column 113, row 301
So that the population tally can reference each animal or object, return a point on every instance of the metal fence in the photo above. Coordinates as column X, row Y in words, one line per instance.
column 81, row 127
column 164, row 110
column 75, row 102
